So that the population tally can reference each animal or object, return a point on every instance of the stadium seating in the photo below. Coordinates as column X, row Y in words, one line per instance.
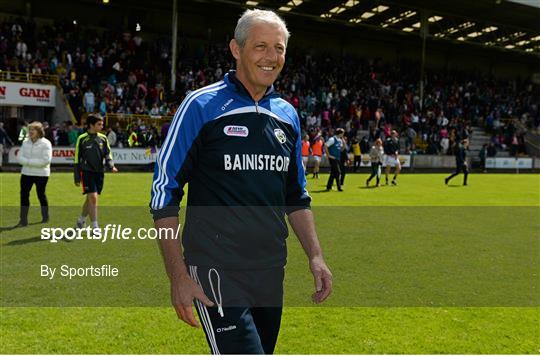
column 120, row 74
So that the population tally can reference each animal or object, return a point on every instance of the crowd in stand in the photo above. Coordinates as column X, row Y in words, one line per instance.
column 120, row 72
column 135, row 135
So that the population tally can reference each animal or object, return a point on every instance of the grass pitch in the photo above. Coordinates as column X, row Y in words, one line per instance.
column 418, row 268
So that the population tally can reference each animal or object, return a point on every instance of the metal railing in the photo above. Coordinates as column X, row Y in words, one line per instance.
column 68, row 106
column 128, row 119
column 29, row 78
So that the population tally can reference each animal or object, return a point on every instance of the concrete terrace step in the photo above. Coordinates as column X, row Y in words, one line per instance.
column 480, row 139
column 362, row 133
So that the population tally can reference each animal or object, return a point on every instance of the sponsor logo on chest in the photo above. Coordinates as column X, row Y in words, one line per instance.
column 238, row 131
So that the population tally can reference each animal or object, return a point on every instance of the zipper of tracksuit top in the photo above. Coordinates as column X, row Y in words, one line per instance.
column 269, row 95
column 244, row 91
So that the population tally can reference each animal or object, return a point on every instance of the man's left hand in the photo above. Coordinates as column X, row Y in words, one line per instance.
column 114, row 169
column 323, row 279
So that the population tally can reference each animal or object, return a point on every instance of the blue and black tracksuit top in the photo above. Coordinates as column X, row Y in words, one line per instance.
column 243, row 162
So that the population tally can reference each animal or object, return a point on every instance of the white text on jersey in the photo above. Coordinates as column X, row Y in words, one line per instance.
column 256, row 162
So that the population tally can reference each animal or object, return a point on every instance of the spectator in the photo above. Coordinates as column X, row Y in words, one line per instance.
column 328, row 92
column 491, row 150
column 133, row 139
column 155, row 110
column 410, row 139
column 89, row 101
column 344, row 161
column 333, row 152
column 111, row 136
column 5, row 142
column 482, row 155
column 35, row 158
column 23, row 133
column 62, row 137
column 103, row 107
column 49, row 134
column 317, row 150
column 357, row 153
column 376, row 155
column 73, row 133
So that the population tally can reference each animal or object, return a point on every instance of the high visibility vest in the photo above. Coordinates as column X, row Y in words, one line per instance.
column 305, row 148
column 133, row 140
column 317, row 148
column 356, row 149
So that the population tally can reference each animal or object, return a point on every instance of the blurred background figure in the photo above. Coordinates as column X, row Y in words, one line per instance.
column 376, row 155
column 461, row 162
column 5, row 142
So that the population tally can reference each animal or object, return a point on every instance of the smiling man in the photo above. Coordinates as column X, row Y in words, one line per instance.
column 238, row 145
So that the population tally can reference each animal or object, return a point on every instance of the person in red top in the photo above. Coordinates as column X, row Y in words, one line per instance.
column 317, row 150
column 305, row 151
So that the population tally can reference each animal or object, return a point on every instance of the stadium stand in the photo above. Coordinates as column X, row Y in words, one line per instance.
column 123, row 76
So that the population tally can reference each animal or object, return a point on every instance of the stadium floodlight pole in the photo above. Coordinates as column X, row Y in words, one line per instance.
column 174, row 45
column 423, row 33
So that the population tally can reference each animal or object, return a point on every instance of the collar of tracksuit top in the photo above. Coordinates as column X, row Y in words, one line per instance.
column 242, row 160
column 241, row 89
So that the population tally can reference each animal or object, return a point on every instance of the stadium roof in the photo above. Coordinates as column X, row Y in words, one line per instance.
column 508, row 25
column 491, row 23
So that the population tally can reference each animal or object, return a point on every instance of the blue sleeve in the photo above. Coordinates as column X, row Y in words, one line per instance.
column 297, row 194
column 176, row 159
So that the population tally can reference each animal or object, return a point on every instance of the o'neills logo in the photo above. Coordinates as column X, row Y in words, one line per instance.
column 228, row 328
column 35, row 93
column 233, row 130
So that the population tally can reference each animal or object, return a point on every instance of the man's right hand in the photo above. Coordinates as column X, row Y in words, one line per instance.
column 183, row 291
